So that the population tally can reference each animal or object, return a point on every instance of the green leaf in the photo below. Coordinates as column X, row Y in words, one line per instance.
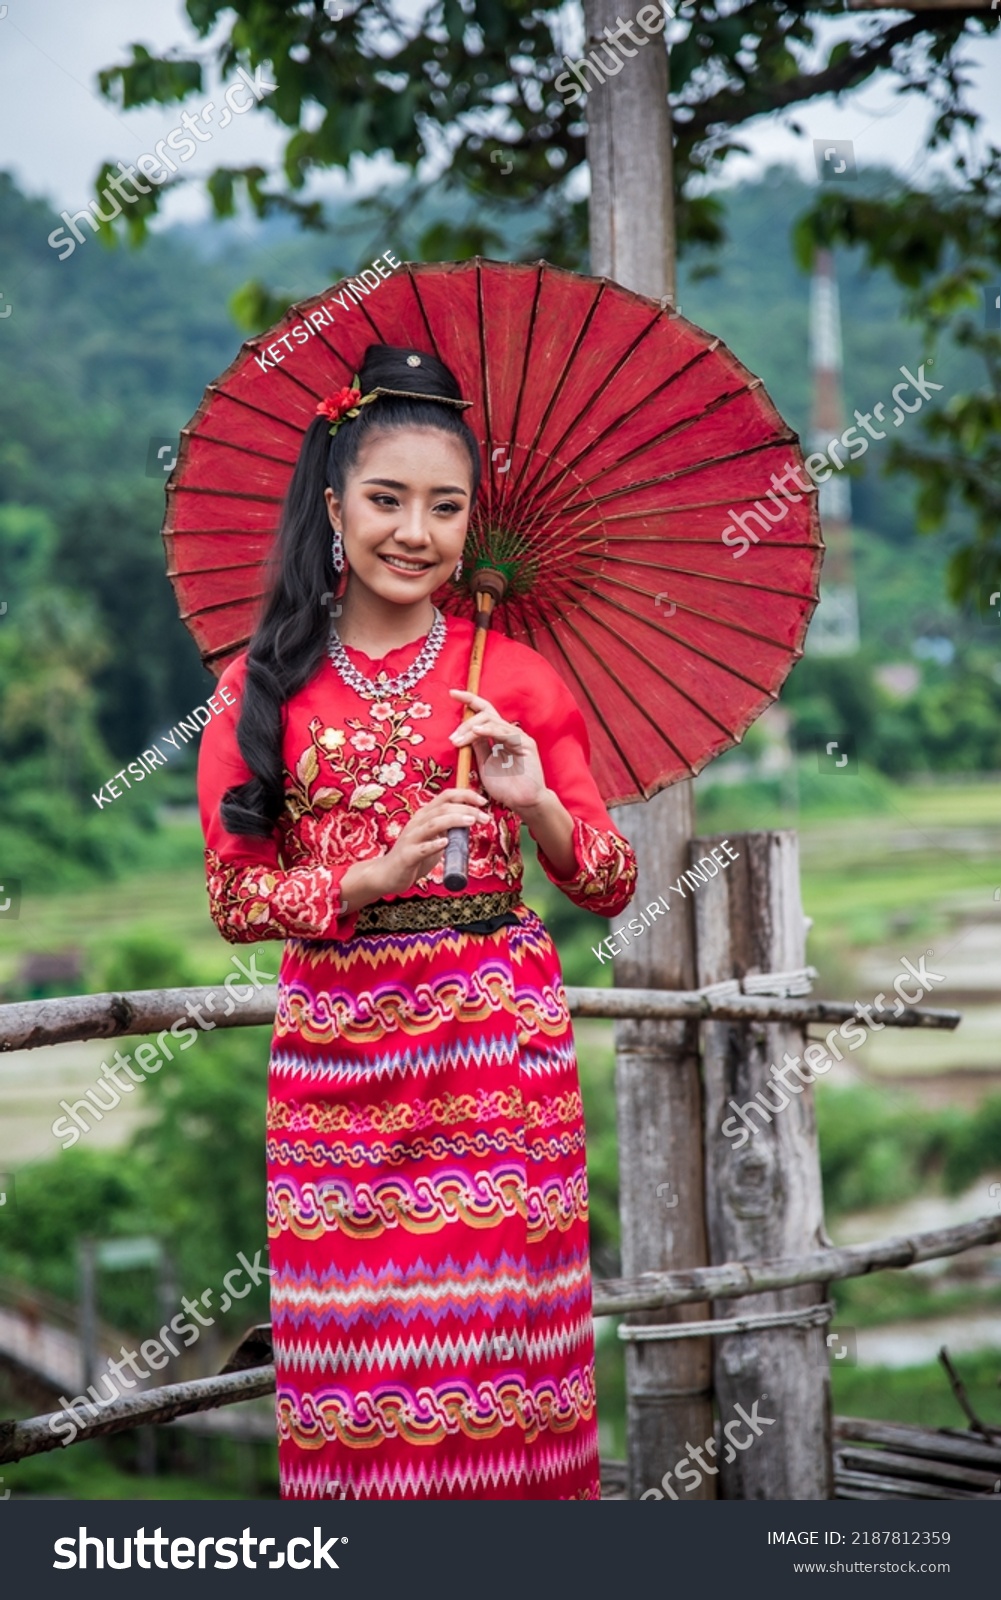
column 220, row 188
column 147, row 78
column 307, row 768
column 365, row 794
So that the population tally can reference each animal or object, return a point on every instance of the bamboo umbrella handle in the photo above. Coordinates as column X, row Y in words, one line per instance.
column 457, row 847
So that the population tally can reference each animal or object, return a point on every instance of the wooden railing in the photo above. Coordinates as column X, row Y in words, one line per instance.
column 250, row 1372
column 31, row 1024
column 611, row 1295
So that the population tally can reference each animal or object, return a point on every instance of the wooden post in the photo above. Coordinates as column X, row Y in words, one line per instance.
column 657, row 1078
column 763, row 1191
column 629, row 156
column 166, row 1293
column 87, row 1310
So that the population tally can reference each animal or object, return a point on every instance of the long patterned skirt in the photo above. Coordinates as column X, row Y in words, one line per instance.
column 427, row 1212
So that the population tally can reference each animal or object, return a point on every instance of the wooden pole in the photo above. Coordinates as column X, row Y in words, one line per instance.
column 490, row 586
column 763, row 1188
column 657, row 1076
column 629, row 154
column 739, row 1278
column 87, row 1313
column 34, row 1436
column 33, row 1024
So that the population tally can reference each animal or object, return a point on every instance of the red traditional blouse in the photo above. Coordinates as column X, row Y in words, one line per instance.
column 356, row 770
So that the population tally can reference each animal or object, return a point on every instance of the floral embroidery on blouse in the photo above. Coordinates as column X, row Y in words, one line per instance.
column 373, row 765
column 354, row 789
column 356, row 772
column 605, row 880
column 248, row 902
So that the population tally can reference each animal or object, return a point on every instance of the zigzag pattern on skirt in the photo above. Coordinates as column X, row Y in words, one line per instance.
column 499, row 1050
column 472, row 1289
column 485, row 1346
column 431, row 1297
column 462, row 1050
column 372, row 1480
column 529, row 940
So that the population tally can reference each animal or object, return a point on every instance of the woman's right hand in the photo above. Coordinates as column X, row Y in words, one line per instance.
column 421, row 844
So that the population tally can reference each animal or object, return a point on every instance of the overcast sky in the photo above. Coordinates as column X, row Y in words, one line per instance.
column 56, row 129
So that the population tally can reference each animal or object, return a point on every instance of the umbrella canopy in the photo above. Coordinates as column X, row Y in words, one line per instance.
column 620, row 443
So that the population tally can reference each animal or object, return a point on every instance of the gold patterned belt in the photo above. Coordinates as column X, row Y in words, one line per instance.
column 420, row 913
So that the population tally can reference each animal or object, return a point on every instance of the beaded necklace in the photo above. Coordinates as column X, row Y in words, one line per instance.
column 375, row 688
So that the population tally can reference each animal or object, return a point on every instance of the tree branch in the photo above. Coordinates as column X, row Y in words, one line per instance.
column 732, row 107
column 959, row 1390
column 919, row 5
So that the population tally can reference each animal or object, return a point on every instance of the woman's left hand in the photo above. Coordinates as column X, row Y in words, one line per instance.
column 507, row 756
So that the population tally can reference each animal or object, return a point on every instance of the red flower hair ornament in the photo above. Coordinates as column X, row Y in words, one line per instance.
column 344, row 404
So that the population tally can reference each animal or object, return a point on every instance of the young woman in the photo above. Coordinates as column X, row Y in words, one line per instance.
column 427, row 1192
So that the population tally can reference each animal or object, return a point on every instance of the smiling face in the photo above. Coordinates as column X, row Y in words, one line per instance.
column 405, row 512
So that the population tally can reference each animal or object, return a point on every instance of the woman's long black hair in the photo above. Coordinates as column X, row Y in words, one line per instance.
column 292, row 635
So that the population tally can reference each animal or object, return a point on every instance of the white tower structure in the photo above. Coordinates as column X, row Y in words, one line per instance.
column 835, row 626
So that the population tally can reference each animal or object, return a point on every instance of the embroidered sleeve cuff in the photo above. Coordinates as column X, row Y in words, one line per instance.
column 605, row 880
column 249, row 902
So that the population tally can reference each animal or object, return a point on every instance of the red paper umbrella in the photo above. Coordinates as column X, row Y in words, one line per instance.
column 620, row 444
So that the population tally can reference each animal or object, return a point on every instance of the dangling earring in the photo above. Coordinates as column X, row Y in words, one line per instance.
column 457, row 574
column 337, row 552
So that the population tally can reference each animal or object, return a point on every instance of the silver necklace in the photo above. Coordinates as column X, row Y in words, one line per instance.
column 376, row 688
